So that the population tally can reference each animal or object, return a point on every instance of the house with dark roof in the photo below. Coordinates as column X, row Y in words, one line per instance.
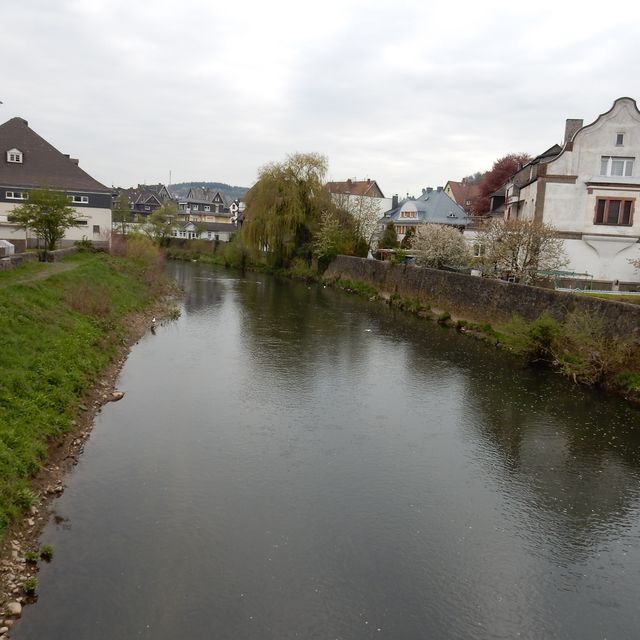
column 588, row 188
column 205, row 205
column 145, row 199
column 434, row 206
column 29, row 162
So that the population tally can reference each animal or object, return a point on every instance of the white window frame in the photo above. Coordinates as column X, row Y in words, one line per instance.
column 15, row 156
column 16, row 195
column 207, row 208
column 79, row 199
column 607, row 164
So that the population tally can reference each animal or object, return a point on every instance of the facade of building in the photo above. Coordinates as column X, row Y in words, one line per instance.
column 588, row 189
column 205, row 205
column 29, row 162
column 145, row 199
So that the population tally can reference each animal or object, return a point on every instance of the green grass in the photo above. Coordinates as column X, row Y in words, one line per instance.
column 56, row 336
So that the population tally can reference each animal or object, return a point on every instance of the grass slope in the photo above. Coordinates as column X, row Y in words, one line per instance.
column 56, row 335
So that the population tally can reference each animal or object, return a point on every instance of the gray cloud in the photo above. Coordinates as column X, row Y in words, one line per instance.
column 407, row 93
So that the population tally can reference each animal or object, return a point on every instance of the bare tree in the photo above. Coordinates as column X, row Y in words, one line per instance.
column 520, row 249
column 438, row 245
column 365, row 212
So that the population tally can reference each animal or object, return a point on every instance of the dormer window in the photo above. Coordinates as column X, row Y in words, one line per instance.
column 14, row 155
column 619, row 139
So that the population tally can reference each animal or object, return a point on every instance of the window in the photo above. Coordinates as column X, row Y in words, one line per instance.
column 206, row 208
column 618, row 212
column 96, row 228
column 467, row 202
column 194, row 207
column 614, row 166
column 14, row 155
column 408, row 214
column 79, row 199
column 619, row 139
column 81, row 223
column 16, row 195
column 147, row 208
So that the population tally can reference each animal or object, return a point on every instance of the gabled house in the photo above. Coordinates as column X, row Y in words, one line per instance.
column 434, row 206
column 463, row 193
column 29, row 162
column 588, row 189
column 145, row 199
column 204, row 205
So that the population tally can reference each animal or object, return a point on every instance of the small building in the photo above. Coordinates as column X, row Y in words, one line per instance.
column 29, row 162
column 463, row 193
column 215, row 231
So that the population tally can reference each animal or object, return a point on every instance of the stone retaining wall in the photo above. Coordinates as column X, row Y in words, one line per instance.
column 482, row 299
column 11, row 262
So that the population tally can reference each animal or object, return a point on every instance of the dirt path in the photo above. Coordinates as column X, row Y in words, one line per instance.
column 48, row 269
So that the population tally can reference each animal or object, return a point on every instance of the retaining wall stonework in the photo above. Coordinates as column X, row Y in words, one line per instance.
column 483, row 299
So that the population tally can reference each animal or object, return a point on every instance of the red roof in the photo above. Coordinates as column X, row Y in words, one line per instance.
column 356, row 188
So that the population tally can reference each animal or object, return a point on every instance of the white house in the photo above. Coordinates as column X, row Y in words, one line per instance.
column 29, row 162
column 588, row 190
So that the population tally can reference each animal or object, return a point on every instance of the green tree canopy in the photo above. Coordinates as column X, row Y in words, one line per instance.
column 285, row 206
column 389, row 239
column 160, row 223
column 48, row 214
column 122, row 212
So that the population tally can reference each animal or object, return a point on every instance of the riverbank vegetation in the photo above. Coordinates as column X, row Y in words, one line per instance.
column 59, row 329
column 579, row 347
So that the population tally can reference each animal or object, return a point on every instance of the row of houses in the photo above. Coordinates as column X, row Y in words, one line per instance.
column 586, row 187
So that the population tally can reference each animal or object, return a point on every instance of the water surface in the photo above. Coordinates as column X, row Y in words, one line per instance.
column 293, row 462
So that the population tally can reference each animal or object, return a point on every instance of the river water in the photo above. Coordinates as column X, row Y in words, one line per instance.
column 293, row 462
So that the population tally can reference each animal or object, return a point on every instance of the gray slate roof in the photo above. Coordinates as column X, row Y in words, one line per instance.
column 434, row 207
column 43, row 165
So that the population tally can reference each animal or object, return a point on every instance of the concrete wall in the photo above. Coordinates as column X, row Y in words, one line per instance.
column 482, row 299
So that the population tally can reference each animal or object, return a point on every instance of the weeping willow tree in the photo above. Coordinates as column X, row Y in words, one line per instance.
column 285, row 206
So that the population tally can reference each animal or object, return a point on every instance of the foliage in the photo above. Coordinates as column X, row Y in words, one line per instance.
column 408, row 239
column 122, row 212
column 520, row 249
column 502, row 169
column 336, row 234
column 160, row 223
column 364, row 212
column 30, row 585
column 31, row 557
column 285, row 206
column 48, row 214
column 389, row 239
column 53, row 349
column 46, row 553
column 438, row 245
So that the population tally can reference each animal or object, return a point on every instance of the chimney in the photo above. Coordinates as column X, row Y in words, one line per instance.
column 429, row 189
column 75, row 161
column 424, row 191
column 440, row 188
column 394, row 201
column 572, row 125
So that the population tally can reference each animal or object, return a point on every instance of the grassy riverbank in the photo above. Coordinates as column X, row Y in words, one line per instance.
column 58, row 332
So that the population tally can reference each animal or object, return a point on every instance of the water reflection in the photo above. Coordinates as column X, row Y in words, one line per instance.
column 292, row 462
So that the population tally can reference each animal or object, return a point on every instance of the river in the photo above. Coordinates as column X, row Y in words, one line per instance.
column 290, row 461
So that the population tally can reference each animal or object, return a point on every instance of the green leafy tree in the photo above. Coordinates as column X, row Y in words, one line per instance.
column 285, row 206
column 122, row 212
column 389, row 239
column 48, row 214
column 160, row 223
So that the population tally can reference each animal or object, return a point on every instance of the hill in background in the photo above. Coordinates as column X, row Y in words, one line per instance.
column 181, row 189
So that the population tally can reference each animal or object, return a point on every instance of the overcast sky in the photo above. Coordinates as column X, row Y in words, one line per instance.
column 410, row 93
